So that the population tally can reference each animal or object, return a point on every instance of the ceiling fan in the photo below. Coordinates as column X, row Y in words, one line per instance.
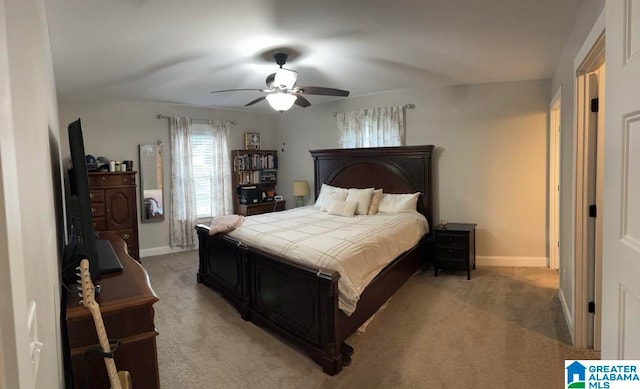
column 282, row 92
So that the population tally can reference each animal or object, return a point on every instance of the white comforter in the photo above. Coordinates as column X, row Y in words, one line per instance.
column 357, row 247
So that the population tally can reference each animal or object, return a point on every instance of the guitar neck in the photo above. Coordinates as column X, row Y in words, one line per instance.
column 106, row 348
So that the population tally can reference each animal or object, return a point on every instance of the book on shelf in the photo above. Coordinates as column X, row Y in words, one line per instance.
column 255, row 162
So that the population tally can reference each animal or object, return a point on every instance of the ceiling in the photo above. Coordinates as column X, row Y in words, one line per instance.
column 179, row 51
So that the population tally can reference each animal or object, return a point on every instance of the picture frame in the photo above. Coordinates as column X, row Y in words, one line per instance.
column 252, row 140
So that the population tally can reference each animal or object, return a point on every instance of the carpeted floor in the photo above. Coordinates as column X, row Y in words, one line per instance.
column 502, row 329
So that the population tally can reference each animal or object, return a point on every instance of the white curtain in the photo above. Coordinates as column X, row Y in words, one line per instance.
column 221, row 189
column 375, row 127
column 183, row 196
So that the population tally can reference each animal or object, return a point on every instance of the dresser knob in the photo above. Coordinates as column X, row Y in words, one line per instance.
column 125, row 236
column 92, row 195
column 93, row 210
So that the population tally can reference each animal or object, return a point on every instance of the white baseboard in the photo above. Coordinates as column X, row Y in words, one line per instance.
column 511, row 261
column 163, row 250
column 567, row 314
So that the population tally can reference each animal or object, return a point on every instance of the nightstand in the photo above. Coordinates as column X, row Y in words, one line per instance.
column 455, row 247
column 258, row 208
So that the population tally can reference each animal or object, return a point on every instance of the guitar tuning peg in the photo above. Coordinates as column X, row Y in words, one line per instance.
column 80, row 302
column 78, row 268
column 79, row 287
column 79, row 294
column 79, row 275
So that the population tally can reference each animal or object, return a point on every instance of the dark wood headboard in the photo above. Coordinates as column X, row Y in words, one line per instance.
column 404, row 169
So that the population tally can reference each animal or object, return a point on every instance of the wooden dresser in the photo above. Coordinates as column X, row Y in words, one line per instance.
column 113, row 202
column 126, row 303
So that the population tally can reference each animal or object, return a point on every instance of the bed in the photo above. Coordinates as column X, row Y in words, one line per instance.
column 153, row 203
column 300, row 302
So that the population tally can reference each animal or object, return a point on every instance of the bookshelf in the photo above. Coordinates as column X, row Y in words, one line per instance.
column 255, row 169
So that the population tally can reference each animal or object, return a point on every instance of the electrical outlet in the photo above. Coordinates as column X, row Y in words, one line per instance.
column 35, row 346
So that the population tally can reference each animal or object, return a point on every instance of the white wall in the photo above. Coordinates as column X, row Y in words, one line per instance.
column 30, row 245
column 490, row 161
column 115, row 129
column 564, row 76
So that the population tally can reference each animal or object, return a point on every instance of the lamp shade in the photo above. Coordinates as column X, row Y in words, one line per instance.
column 300, row 188
column 281, row 101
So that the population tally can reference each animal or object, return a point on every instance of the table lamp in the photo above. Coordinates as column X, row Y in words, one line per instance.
column 300, row 189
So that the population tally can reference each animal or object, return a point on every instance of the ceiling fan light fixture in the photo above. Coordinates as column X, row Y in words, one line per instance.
column 285, row 78
column 281, row 101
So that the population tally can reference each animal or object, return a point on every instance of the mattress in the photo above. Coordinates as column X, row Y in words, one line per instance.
column 357, row 247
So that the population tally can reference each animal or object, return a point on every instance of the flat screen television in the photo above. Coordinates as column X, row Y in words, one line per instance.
column 83, row 242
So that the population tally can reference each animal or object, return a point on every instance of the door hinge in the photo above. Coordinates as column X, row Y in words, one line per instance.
column 593, row 211
column 595, row 104
column 591, row 307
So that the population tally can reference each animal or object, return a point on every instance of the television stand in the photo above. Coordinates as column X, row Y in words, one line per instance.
column 126, row 302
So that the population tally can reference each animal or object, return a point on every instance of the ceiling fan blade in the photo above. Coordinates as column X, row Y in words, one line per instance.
column 236, row 90
column 252, row 102
column 302, row 102
column 318, row 90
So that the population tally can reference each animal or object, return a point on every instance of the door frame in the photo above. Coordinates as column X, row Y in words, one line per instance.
column 588, row 280
column 555, row 123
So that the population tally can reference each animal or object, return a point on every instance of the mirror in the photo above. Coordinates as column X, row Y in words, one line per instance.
column 152, row 207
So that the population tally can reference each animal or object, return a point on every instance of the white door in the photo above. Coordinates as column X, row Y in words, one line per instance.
column 621, row 213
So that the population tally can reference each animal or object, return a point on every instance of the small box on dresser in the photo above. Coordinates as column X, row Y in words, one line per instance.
column 455, row 247
column 113, row 203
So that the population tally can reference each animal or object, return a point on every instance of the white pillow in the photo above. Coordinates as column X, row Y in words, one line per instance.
column 362, row 197
column 339, row 195
column 325, row 195
column 392, row 203
column 342, row 208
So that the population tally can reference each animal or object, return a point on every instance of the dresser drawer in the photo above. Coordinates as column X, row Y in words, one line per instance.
column 451, row 240
column 259, row 208
column 128, row 236
column 106, row 179
column 449, row 254
column 99, row 223
column 96, row 195
column 97, row 209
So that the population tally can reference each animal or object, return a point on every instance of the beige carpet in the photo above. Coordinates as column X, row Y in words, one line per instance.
column 502, row 329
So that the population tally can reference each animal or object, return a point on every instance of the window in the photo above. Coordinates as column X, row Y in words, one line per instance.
column 202, row 150
column 211, row 170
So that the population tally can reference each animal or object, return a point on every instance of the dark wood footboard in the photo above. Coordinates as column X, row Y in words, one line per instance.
column 297, row 302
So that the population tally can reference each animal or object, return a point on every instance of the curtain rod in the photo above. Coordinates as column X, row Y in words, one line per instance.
column 406, row 106
column 161, row 116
